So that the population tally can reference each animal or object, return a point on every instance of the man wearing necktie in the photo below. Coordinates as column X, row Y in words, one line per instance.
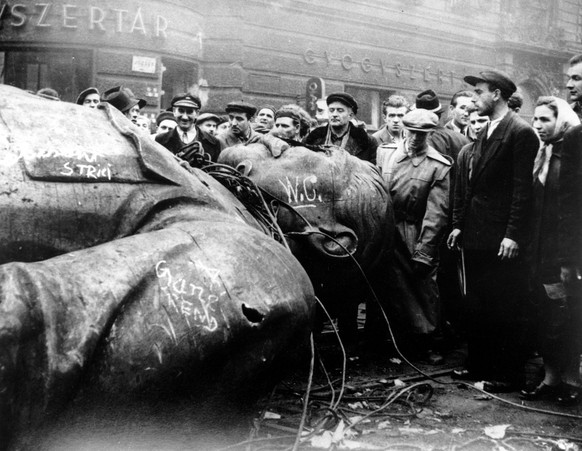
column 187, row 140
column 490, row 223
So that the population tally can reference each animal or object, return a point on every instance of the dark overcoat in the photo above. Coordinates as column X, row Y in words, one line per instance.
column 360, row 144
column 171, row 140
column 497, row 200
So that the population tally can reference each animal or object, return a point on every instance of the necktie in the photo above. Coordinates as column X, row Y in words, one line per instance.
column 185, row 138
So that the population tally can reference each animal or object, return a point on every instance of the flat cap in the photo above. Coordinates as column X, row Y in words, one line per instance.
column 243, row 107
column 165, row 115
column 497, row 78
column 345, row 98
column 186, row 100
column 420, row 120
column 428, row 100
column 85, row 93
column 207, row 117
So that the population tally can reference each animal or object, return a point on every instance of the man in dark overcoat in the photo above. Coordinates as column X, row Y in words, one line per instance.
column 490, row 221
column 341, row 132
column 187, row 141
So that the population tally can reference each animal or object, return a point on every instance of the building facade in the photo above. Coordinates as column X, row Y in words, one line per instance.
column 282, row 51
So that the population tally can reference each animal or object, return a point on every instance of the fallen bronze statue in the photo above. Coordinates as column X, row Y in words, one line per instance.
column 123, row 272
column 337, row 216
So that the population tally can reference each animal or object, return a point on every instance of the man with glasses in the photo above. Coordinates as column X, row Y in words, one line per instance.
column 187, row 141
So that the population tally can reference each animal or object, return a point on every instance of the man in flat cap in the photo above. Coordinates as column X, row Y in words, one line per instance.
column 418, row 180
column 208, row 122
column 490, row 224
column 186, row 140
column 240, row 115
column 448, row 142
column 341, row 132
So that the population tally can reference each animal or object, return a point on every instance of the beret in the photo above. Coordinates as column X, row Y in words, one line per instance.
column 85, row 93
column 187, row 100
column 268, row 107
column 165, row 115
column 207, row 117
column 496, row 78
column 420, row 120
column 428, row 100
column 241, row 106
column 345, row 98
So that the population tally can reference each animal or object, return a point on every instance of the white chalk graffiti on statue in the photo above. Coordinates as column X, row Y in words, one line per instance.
column 303, row 192
column 186, row 298
column 88, row 170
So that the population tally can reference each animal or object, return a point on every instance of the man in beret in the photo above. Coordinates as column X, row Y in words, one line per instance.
column 89, row 98
column 490, row 224
column 187, row 141
column 208, row 122
column 165, row 122
column 418, row 180
column 341, row 132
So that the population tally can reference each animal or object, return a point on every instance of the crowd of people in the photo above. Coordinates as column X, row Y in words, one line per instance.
column 488, row 212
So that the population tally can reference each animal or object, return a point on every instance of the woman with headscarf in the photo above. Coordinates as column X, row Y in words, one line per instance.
column 558, row 310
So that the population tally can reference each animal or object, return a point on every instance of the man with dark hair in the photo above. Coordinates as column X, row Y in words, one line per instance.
column 490, row 222
column 265, row 119
column 287, row 125
column 393, row 110
column 459, row 122
column 186, row 140
column 341, row 132
column 574, row 84
column 515, row 102
column 446, row 141
column 89, row 97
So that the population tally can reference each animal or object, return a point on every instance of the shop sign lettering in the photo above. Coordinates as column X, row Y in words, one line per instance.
column 399, row 69
column 94, row 18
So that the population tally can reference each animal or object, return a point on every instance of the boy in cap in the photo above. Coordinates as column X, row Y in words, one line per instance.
column 418, row 180
column 187, row 141
column 341, row 132
column 89, row 98
column 208, row 122
column 490, row 222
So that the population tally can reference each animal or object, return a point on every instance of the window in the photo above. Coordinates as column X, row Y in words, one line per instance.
column 66, row 71
column 369, row 104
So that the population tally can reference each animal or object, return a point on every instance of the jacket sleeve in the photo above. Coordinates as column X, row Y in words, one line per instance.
column 435, row 219
column 524, row 150
column 570, row 199
column 372, row 147
column 460, row 187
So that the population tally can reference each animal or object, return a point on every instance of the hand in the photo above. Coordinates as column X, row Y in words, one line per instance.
column 421, row 269
column 569, row 274
column 453, row 239
column 273, row 144
column 508, row 249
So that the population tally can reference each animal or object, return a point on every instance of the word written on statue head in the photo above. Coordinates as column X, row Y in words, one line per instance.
column 301, row 191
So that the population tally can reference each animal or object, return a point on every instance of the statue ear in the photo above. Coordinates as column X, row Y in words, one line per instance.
column 245, row 167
